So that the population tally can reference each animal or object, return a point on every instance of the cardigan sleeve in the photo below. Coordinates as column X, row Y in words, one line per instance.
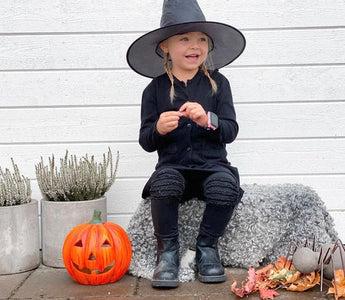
column 149, row 138
column 227, row 125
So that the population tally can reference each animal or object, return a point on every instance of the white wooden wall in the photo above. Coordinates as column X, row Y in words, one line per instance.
column 65, row 84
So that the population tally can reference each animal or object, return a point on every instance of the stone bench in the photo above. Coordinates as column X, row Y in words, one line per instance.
column 267, row 219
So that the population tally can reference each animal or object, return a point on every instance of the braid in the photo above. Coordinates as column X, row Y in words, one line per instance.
column 212, row 82
column 170, row 75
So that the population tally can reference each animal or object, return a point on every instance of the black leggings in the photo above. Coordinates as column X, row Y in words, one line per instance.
column 169, row 187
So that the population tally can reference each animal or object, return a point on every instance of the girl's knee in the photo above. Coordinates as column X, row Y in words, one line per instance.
column 167, row 182
column 222, row 188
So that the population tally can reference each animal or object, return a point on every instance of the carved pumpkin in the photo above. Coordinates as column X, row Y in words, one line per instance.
column 97, row 253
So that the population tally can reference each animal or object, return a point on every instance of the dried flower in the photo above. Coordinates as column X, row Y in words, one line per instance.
column 76, row 180
column 15, row 189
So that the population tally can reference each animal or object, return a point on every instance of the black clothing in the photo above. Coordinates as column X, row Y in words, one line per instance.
column 192, row 162
column 169, row 187
column 168, row 261
column 189, row 147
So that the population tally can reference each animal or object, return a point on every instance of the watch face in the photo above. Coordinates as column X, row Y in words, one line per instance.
column 212, row 120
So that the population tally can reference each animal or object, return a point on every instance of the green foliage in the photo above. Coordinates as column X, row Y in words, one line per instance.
column 15, row 189
column 76, row 180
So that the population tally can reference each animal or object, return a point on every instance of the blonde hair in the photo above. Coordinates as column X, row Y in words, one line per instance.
column 167, row 66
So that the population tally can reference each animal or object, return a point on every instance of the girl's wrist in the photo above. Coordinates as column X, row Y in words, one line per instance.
column 205, row 122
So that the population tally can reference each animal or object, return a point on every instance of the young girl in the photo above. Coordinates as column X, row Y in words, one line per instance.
column 188, row 117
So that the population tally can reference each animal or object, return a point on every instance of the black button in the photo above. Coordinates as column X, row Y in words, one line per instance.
column 188, row 149
column 189, row 125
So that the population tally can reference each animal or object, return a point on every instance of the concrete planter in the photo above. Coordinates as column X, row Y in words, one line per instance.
column 58, row 219
column 19, row 238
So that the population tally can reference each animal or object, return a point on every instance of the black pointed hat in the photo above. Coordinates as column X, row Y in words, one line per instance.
column 181, row 16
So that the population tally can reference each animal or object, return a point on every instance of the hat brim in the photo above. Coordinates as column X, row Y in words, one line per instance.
column 228, row 44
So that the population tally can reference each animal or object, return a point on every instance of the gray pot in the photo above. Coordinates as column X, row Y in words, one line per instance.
column 19, row 238
column 58, row 219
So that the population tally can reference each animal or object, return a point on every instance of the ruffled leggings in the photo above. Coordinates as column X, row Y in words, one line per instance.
column 220, row 191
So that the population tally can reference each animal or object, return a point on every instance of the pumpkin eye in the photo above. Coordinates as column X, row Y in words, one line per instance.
column 79, row 244
column 106, row 244
column 92, row 257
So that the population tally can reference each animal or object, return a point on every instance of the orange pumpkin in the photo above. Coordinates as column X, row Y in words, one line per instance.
column 97, row 253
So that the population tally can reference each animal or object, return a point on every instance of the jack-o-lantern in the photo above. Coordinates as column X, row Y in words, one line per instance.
column 97, row 253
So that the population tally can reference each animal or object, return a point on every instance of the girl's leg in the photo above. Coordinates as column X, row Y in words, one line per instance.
column 222, row 194
column 166, row 190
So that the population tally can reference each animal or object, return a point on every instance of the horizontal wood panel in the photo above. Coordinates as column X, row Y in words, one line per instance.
column 32, row 52
column 116, row 87
column 253, row 158
column 72, row 124
column 79, row 124
column 293, row 47
column 63, row 88
column 317, row 83
column 115, row 15
column 289, row 156
column 289, row 120
column 275, row 13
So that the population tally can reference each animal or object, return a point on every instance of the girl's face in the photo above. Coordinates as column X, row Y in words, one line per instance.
column 187, row 52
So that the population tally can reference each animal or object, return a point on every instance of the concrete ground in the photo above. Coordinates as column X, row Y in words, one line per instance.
column 52, row 283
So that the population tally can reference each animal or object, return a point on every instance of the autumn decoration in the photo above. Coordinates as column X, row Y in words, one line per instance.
column 97, row 252
column 303, row 272
column 279, row 275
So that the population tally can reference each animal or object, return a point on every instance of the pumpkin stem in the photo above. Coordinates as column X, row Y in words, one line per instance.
column 96, row 219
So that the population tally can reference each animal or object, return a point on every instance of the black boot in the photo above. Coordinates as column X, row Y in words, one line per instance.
column 210, row 269
column 166, row 272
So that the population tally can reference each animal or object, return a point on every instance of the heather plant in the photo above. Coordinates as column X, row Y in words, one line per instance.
column 15, row 189
column 76, row 180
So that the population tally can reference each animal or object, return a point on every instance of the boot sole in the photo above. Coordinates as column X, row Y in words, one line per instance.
column 165, row 283
column 212, row 279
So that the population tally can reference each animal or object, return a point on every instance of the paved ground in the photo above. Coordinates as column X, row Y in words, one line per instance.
column 52, row 283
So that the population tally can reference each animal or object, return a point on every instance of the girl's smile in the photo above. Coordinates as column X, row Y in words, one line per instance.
column 187, row 52
column 193, row 58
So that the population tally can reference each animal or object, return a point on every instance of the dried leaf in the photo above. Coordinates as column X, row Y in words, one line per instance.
column 283, row 276
column 283, row 263
column 247, row 287
column 339, row 290
column 264, row 270
column 305, row 282
column 262, row 277
column 295, row 275
column 267, row 293
column 283, row 273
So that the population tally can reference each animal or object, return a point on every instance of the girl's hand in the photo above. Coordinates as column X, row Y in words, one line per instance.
column 195, row 112
column 168, row 121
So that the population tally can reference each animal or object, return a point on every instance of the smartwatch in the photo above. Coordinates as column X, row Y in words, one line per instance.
column 212, row 121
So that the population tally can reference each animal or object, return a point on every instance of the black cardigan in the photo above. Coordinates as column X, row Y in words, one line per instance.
column 189, row 146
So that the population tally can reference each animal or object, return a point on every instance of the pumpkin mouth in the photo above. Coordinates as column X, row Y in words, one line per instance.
column 94, row 271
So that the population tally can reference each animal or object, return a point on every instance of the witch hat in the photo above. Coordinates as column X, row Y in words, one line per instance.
column 145, row 57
